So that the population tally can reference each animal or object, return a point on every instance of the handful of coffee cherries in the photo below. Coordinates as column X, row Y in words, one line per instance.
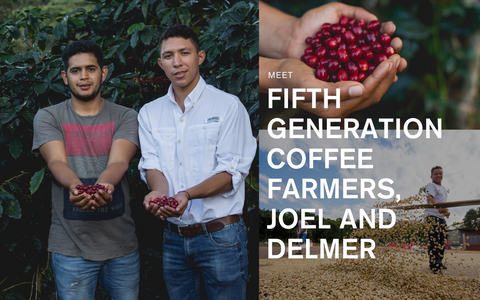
column 347, row 50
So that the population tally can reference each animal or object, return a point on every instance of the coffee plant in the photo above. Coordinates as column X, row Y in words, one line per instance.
column 128, row 33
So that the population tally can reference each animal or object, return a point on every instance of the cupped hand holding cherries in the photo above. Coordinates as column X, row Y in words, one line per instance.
column 348, row 50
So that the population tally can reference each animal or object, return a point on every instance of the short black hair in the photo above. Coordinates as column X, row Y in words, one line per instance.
column 78, row 47
column 179, row 30
column 434, row 168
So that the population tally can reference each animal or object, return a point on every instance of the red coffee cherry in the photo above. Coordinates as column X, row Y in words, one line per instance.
column 312, row 61
column 349, row 37
column 357, row 31
column 362, row 76
column 371, row 68
column 354, row 78
column 379, row 57
column 342, row 55
column 321, row 52
column 321, row 73
column 352, row 68
column 342, row 75
column 373, row 25
column 385, row 39
column 362, row 65
column 332, row 53
column 343, row 21
column 368, row 55
column 333, row 65
column 309, row 51
column 356, row 54
column 331, row 43
column 389, row 51
column 376, row 47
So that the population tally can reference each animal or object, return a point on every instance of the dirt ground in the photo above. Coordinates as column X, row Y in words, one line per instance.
column 393, row 274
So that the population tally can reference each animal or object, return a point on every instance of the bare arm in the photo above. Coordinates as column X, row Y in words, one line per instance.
column 275, row 31
column 121, row 154
column 54, row 154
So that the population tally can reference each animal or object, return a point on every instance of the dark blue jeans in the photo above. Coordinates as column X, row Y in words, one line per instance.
column 76, row 278
column 437, row 234
column 214, row 263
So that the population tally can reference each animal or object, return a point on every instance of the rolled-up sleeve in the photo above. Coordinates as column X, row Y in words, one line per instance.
column 236, row 146
column 149, row 160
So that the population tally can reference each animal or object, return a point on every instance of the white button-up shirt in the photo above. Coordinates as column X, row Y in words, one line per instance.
column 213, row 135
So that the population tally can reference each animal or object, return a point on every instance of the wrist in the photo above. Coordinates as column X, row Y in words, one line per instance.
column 267, row 66
column 187, row 193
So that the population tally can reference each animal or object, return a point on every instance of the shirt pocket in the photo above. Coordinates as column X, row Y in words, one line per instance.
column 202, row 145
column 165, row 143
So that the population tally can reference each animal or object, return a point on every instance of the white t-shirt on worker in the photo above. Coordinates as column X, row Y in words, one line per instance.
column 301, row 228
column 439, row 193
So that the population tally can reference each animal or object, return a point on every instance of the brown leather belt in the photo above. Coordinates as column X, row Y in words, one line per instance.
column 196, row 229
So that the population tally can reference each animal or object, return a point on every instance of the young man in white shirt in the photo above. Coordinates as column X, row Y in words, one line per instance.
column 435, row 218
column 197, row 146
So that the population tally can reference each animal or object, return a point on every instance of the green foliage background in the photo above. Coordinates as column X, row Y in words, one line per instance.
column 441, row 42
column 30, row 79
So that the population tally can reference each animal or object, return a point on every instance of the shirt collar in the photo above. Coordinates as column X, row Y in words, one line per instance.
column 194, row 95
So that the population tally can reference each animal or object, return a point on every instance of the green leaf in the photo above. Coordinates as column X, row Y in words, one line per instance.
column 121, row 48
column 1, row 211
column 235, row 86
column 59, row 31
column 134, row 39
column 14, row 31
column 53, row 73
column 13, row 210
column 15, row 147
column 253, row 51
column 160, row 9
column 34, row 23
column 147, row 35
column 132, row 5
column 167, row 17
column 251, row 76
column 36, row 180
column 8, row 114
column 39, row 88
column 184, row 16
column 226, row 73
column 78, row 22
column 36, row 56
column 111, row 68
column 6, row 196
column 145, row 9
column 10, row 74
column 254, row 184
column 118, row 12
column 28, row 115
column 59, row 87
column 148, row 54
column 110, row 52
column 138, row 26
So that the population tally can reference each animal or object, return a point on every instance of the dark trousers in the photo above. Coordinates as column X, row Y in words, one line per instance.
column 437, row 234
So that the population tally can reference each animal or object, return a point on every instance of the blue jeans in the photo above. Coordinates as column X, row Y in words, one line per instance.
column 214, row 263
column 76, row 278
column 436, row 228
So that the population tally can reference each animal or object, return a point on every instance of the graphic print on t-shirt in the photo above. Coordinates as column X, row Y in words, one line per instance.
column 88, row 140
column 112, row 210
